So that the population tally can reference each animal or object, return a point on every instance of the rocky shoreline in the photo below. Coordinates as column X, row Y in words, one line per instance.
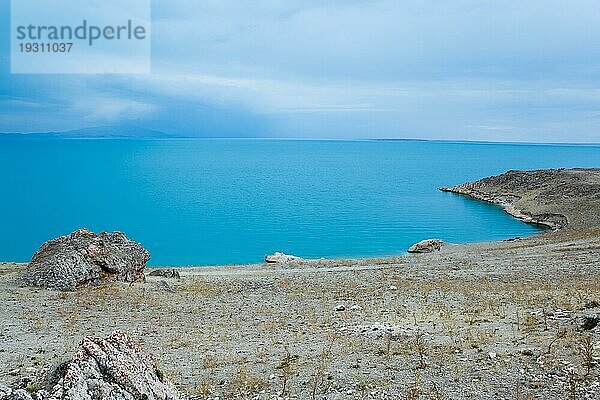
column 538, row 197
column 508, row 320
column 551, row 221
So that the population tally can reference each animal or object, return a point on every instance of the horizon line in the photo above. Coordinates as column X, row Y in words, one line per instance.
column 52, row 135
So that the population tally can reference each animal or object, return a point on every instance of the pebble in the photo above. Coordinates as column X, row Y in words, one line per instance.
column 591, row 304
column 527, row 352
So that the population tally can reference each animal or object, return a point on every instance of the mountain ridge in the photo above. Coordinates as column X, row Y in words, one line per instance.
column 101, row 132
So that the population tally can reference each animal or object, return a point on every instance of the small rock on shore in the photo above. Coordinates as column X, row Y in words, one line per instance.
column 427, row 246
column 171, row 273
column 279, row 257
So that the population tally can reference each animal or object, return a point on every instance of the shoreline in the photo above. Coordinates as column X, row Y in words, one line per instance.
column 478, row 190
column 472, row 321
column 509, row 208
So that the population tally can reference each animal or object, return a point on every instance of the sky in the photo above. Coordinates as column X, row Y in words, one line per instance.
column 507, row 70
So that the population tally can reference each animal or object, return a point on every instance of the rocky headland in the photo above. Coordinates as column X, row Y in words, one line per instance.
column 553, row 198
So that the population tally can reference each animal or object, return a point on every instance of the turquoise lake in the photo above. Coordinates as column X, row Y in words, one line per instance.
column 206, row 202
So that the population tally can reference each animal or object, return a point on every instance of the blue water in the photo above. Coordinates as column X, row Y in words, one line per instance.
column 203, row 202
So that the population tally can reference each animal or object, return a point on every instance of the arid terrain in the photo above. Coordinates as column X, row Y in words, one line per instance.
column 516, row 319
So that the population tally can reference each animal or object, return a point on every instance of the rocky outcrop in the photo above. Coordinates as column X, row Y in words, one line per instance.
column 552, row 221
column 115, row 368
column 83, row 258
column 281, row 258
column 427, row 246
column 553, row 198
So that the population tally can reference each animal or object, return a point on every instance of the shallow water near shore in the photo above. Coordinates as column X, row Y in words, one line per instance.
column 206, row 202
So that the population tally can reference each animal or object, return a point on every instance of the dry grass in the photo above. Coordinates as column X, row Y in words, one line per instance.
column 238, row 335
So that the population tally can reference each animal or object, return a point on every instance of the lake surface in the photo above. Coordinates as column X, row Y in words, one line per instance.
column 203, row 202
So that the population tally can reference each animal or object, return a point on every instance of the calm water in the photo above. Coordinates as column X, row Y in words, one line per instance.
column 215, row 201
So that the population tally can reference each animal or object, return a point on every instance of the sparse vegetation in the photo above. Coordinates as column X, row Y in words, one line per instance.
column 286, row 367
column 466, row 323
column 586, row 352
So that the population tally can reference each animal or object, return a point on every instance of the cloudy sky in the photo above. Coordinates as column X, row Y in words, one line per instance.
column 510, row 70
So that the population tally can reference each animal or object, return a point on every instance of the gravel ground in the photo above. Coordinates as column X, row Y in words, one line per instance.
column 484, row 321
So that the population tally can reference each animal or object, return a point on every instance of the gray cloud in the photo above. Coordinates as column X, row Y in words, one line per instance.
column 466, row 69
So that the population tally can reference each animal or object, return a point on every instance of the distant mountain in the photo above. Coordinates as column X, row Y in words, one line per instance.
column 104, row 132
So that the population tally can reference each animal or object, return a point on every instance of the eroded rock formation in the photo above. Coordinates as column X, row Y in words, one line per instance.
column 115, row 368
column 84, row 257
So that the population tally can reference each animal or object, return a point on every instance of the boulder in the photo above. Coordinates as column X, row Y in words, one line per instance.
column 281, row 258
column 427, row 246
column 83, row 258
column 114, row 368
